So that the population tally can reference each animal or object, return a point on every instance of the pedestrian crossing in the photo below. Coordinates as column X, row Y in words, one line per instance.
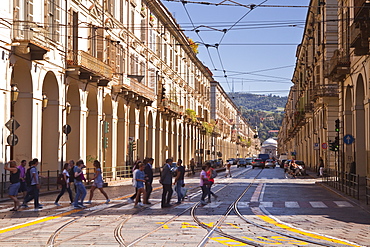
column 297, row 204
column 215, row 204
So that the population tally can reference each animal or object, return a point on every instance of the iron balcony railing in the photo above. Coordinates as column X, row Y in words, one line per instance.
column 89, row 63
column 327, row 90
column 25, row 31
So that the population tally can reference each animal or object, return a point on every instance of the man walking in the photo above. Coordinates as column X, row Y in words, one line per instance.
column 166, row 181
column 179, row 181
column 34, row 189
column 148, row 177
column 192, row 165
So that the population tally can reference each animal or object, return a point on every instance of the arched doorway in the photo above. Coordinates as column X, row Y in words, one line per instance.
column 122, row 140
column 92, row 141
column 107, row 131
column 50, row 125
column 348, row 129
column 73, row 144
column 23, row 110
column 141, row 145
column 359, row 117
column 149, row 136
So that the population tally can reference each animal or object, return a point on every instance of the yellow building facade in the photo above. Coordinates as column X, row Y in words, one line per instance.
column 109, row 80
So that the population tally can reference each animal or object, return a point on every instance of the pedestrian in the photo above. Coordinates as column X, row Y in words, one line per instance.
column 98, row 182
column 179, row 181
column 203, row 183
column 72, row 177
column 166, row 181
column 228, row 168
column 192, row 166
column 138, row 182
column 148, row 170
column 65, row 186
column 80, row 187
column 22, row 177
column 321, row 167
column 210, row 175
column 135, row 167
column 15, row 183
column 33, row 191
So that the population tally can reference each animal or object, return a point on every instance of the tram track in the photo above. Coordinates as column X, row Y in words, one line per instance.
column 216, row 228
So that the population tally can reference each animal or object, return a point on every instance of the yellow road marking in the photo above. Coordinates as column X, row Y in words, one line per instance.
column 312, row 235
column 12, row 228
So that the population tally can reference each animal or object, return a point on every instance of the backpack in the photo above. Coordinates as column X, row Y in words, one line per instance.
column 28, row 178
column 214, row 173
column 61, row 180
column 72, row 174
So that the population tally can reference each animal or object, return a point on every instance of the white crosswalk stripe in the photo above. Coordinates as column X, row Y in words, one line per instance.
column 291, row 205
column 343, row 204
column 318, row 205
column 266, row 204
column 213, row 205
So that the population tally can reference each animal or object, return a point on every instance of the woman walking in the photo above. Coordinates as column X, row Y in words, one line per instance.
column 98, row 182
column 15, row 183
column 211, row 180
column 65, row 185
column 204, row 184
column 138, row 182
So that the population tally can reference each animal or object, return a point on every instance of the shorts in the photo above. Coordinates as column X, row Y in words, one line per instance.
column 13, row 189
column 98, row 185
column 23, row 186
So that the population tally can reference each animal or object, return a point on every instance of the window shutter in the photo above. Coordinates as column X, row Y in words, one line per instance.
column 100, row 44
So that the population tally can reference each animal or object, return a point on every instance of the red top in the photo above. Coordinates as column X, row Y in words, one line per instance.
column 209, row 172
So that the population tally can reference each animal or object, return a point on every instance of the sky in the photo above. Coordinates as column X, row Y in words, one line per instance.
column 247, row 49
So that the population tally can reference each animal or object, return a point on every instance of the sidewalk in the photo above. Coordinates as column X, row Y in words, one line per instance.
column 361, row 202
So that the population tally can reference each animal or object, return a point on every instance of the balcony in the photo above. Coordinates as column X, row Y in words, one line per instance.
column 171, row 108
column 361, row 8
column 339, row 66
column 29, row 38
column 91, row 68
column 359, row 33
column 327, row 90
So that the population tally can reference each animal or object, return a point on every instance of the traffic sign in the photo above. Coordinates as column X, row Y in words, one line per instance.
column 348, row 139
column 324, row 145
column 316, row 146
column 12, row 140
column 67, row 129
column 12, row 124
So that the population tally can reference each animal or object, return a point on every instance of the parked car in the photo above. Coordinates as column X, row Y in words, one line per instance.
column 249, row 161
column 242, row 162
column 257, row 162
column 233, row 160
column 270, row 163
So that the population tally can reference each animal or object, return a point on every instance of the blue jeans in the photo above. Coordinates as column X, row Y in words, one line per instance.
column 80, row 193
column 32, row 193
column 178, row 187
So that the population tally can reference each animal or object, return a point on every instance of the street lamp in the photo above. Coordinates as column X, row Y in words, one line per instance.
column 14, row 93
column 45, row 101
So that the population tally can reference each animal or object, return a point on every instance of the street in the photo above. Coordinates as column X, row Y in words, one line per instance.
column 254, row 207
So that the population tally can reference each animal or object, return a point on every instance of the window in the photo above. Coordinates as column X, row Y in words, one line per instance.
column 142, row 72
column 53, row 19
column 143, row 30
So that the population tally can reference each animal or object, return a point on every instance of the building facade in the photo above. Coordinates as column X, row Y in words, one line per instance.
column 327, row 114
column 110, row 80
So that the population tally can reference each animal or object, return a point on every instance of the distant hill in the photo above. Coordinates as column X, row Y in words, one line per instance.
column 265, row 112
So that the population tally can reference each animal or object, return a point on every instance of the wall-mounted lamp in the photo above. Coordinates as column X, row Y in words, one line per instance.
column 68, row 108
column 45, row 101
column 14, row 93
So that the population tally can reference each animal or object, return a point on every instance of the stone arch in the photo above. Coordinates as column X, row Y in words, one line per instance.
column 132, row 131
column 50, row 131
column 23, row 111
column 359, row 117
column 73, row 145
column 92, row 140
column 159, row 145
